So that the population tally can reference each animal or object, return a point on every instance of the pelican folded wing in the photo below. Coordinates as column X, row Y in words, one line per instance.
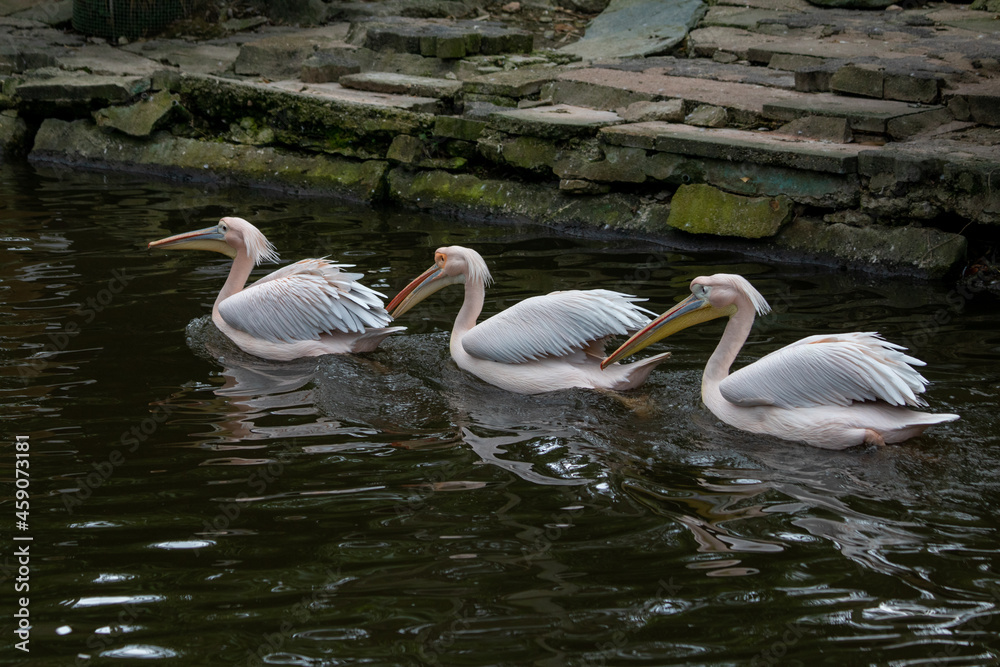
column 303, row 300
column 554, row 325
column 833, row 369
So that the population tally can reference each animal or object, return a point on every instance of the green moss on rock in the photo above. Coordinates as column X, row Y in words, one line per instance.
column 80, row 142
column 702, row 209
column 300, row 120
column 469, row 195
column 142, row 117
column 13, row 135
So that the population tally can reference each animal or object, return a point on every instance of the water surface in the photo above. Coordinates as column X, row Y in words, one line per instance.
column 193, row 505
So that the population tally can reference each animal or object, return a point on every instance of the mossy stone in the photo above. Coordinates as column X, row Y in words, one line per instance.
column 13, row 135
column 529, row 152
column 921, row 249
column 702, row 209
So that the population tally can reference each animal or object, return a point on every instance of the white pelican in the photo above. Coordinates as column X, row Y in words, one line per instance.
column 831, row 391
column 544, row 343
column 302, row 310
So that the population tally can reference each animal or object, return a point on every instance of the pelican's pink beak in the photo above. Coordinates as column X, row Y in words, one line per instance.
column 692, row 310
column 422, row 286
column 210, row 238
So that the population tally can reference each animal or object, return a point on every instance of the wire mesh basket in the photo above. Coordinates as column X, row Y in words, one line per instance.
column 131, row 19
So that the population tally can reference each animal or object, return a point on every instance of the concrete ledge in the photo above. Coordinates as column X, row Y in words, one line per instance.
column 402, row 84
column 561, row 121
column 736, row 146
column 82, row 143
column 922, row 250
column 357, row 127
column 863, row 114
column 92, row 90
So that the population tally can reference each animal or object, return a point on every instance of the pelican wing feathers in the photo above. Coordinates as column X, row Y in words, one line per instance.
column 303, row 300
column 554, row 325
column 824, row 370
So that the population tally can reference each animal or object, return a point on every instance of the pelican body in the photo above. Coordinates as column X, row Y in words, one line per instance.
column 544, row 343
column 831, row 391
column 304, row 309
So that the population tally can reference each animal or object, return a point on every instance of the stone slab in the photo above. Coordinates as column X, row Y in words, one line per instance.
column 745, row 102
column 523, row 82
column 670, row 111
column 327, row 66
column 707, row 115
column 88, row 90
column 281, row 55
column 922, row 87
column 758, row 48
column 469, row 197
column 561, row 121
column 102, row 59
column 17, row 58
column 49, row 13
column 736, row 146
column 456, row 127
column 983, row 100
column 337, row 92
column 818, row 128
column 911, row 125
column 703, row 209
column 863, row 80
column 747, row 18
column 620, row 164
column 142, row 117
column 863, row 114
column 918, row 249
column 190, row 57
column 596, row 95
column 82, row 143
column 702, row 68
column 952, row 175
column 402, row 84
column 352, row 123
column 440, row 38
column 637, row 28
column 771, row 5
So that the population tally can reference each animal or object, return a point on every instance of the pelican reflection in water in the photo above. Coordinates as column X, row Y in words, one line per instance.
column 305, row 309
column 832, row 391
column 544, row 343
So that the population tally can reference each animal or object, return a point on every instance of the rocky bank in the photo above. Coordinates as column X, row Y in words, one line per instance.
column 863, row 137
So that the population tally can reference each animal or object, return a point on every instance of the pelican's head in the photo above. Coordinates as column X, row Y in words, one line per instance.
column 721, row 295
column 230, row 237
column 454, row 264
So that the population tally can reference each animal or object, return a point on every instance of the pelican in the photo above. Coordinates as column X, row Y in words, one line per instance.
column 544, row 343
column 304, row 309
column 831, row 391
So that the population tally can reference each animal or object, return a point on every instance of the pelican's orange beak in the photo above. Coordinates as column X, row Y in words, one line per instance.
column 210, row 238
column 692, row 310
column 423, row 286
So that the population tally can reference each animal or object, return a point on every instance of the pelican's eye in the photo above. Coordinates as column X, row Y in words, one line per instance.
column 440, row 259
column 701, row 291
column 223, row 227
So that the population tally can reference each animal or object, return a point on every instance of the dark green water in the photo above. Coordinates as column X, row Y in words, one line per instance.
column 191, row 505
